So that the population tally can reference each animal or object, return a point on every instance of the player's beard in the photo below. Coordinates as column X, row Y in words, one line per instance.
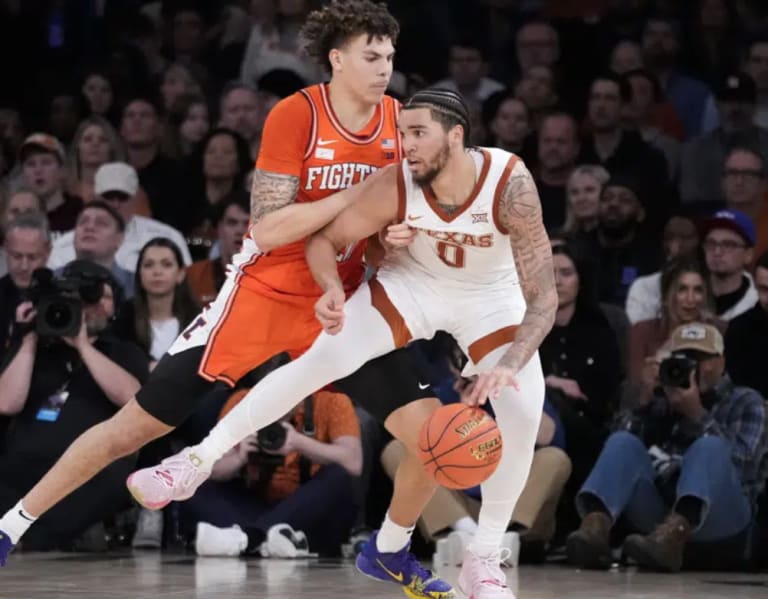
column 434, row 167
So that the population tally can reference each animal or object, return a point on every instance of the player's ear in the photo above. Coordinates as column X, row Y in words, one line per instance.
column 334, row 57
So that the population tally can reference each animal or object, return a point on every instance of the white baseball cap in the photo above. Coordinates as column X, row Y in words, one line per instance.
column 116, row 176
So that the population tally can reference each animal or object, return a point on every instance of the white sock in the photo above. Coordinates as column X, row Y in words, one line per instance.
column 465, row 524
column 491, row 528
column 392, row 537
column 16, row 522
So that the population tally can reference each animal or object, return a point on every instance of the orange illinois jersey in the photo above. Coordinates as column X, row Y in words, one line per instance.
column 304, row 138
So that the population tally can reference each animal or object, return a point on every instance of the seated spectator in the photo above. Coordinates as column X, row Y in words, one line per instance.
column 582, row 361
column 231, row 217
column 582, row 193
column 239, row 111
column 117, row 184
column 96, row 143
column 283, row 501
column 178, row 80
column 186, row 126
column 746, row 341
column 56, row 387
column 756, row 66
column 162, row 304
column 671, row 469
column 686, row 297
column 620, row 250
column 21, row 201
column 558, row 148
column 729, row 237
column 99, row 233
column 745, row 187
column 99, row 94
column 217, row 168
column 42, row 167
column 467, row 68
column 507, row 121
column 27, row 245
column 641, row 114
column 703, row 157
column 537, row 88
column 680, row 238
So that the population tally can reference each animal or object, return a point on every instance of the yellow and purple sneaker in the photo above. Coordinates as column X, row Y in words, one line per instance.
column 404, row 569
column 5, row 547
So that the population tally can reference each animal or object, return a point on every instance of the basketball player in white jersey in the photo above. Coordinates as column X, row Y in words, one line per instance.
column 479, row 267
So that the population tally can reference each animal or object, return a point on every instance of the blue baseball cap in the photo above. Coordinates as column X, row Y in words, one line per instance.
column 733, row 220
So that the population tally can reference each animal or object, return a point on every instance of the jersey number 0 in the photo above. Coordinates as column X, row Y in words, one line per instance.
column 451, row 254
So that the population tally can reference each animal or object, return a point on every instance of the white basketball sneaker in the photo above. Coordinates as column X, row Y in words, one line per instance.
column 482, row 578
column 220, row 542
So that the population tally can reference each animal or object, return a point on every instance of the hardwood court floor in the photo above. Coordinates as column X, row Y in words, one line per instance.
column 155, row 576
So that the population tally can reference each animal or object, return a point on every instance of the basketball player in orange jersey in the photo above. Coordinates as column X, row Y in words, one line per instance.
column 479, row 268
column 316, row 142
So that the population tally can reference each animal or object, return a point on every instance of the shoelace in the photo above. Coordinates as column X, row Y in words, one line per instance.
column 180, row 468
column 492, row 565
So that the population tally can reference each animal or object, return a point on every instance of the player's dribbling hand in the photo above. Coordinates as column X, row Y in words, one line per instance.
column 398, row 235
column 329, row 310
column 489, row 385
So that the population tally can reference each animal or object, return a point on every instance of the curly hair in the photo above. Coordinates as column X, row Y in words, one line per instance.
column 340, row 21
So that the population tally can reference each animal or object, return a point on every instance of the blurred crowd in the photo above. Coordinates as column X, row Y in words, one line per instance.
column 128, row 133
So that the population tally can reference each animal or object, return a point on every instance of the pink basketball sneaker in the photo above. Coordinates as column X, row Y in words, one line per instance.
column 482, row 578
column 175, row 479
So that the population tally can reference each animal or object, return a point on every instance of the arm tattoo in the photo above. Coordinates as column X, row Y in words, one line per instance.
column 520, row 213
column 270, row 192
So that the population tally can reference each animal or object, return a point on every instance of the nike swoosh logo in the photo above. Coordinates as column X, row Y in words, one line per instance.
column 23, row 516
column 397, row 577
column 326, row 142
column 412, row 217
column 422, row 387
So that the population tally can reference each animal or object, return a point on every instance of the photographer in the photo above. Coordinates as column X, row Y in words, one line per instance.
column 286, row 490
column 57, row 386
column 689, row 465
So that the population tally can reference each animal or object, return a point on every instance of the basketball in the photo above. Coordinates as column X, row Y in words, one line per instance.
column 460, row 446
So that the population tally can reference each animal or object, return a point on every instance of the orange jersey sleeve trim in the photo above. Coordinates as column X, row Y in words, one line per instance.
column 288, row 135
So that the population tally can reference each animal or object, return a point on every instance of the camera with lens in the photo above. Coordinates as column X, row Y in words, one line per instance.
column 272, row 437
column 59, row 300
column 675, row 370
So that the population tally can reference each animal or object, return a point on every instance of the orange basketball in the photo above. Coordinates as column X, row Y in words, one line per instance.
column 460, row 446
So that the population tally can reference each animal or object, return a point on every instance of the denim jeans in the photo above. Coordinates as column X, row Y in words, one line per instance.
column 623, row 480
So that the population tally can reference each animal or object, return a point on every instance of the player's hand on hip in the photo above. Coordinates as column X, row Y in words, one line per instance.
column 489, row 385
column 329, row 310
column 398, row 235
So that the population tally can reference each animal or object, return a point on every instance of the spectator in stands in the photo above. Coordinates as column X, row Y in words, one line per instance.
column 729, row 238
column 11, row 128
column 538, row 89
column 22, row 201
column 99, row 233
column 178, row 80
column 626, row 56
column 507, row 121
column 746, row 341
column 582, row 205
column 712, row 44
column 703, row 157
column 644, row 113
column 97, row 90
column 620, row 251
column 95, row 143
column 117, row 184
column 159, row 176
column 239, row 111
column 187, row 125
column 623, row 151
column 230, row 219
column 217, row 168
column 537, row 43
column 558, row 149
column 468, row 69
column 27, row 245
column 42, row 166
column 756, row 66
column 745, row 187
column 287, row 500
column 162, row 303
column 672, row 468
column 274, row 44
column 691, row 99
column 56, row 389
column 65, row 111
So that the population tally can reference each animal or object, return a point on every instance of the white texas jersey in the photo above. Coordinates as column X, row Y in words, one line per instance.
column 469, row 246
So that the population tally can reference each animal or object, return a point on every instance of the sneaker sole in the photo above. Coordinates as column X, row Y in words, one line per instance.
column 408, row 592
column 136, row 493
